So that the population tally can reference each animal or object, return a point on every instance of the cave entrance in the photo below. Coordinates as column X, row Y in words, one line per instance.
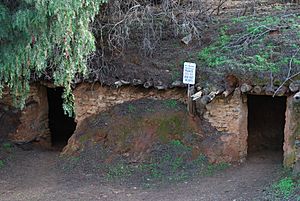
column 61, row 126
column 266, row 122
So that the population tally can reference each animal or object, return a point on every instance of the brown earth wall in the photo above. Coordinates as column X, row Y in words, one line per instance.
column 92, row 99
column 292, row 135
column 229, row 117
column 32, row 123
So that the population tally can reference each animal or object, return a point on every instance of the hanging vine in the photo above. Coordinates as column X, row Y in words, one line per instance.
column 41, row 35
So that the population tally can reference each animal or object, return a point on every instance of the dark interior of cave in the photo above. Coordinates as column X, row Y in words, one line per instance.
column 266, row 121
column 61, row 126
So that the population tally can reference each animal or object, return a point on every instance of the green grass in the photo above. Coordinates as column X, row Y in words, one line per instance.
column 150, row 109
column 131, row 108
column 176, row 75
column 211, row 54
column 6, row 148
column 213, row 168
column 172, row 163
column 172, row 104
column 262, row 54
column 284, row 187
column 1, row 164
column 7, row 145
column 169, row 125
column 119, row 171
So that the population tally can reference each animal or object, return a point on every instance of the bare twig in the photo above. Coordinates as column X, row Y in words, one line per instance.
column 146, row 21
column 218, row 8
column 289, row 76
column 123, row 24
column 250, row 38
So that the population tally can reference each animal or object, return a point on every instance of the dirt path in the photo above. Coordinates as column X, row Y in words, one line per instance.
column 32, row 176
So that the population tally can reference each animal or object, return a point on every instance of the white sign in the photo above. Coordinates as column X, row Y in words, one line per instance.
column 189, row 73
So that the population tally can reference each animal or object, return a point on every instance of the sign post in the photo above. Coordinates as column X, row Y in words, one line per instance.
column 189, row 77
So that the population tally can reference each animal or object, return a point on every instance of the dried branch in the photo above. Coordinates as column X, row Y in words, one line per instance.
column 218, row 7
column 146, row 22
column 289, row 76
column 143, row 24
column 252, row 37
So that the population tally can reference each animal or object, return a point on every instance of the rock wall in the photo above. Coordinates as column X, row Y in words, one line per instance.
column 229, row 117
column 93, row 99
column 292, row 135
column 9, row 120
column 31, row 124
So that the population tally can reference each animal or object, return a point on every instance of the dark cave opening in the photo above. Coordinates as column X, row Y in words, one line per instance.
column 61, row 126
column 266, row 121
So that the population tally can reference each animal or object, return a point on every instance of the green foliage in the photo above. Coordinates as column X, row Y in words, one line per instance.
column 211, row 55
column 177, row 144
column 175, row 74
column 1, row 164
column 284, row 186
column 131, row 108
column 39, row 36
column 247, row 44
column 152, row 170
column 168, row 166
column 7, row 145
column 119, row 171
column 6, row 151
column 213, row 168
column 171, row 124
column 173, row 161
column 239, row 19
column 170, row 162
column 172, row 104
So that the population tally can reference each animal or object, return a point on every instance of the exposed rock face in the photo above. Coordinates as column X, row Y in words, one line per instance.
column 93, row 99
column 9, row 120
column 229, row 117
column 30, row 124
column 292, row 134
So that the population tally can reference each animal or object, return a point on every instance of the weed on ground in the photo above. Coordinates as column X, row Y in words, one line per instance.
column 285, row 189
column 6, row 150
column 255, row 45
column 171, row 162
